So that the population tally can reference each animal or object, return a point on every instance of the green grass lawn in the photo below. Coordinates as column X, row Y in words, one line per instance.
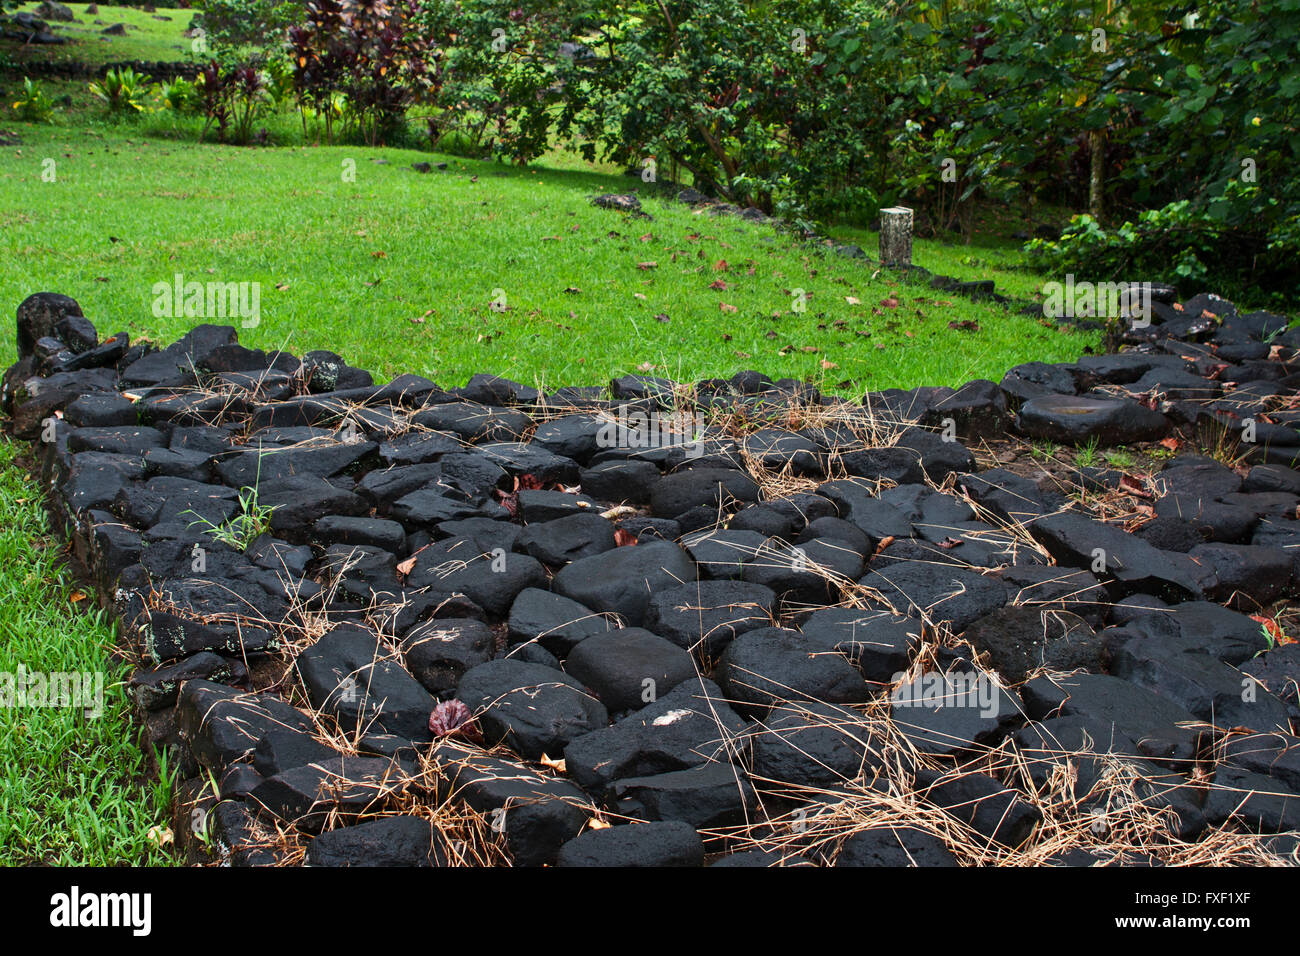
column 147, row 37
column 397, row 270
column 73, row 788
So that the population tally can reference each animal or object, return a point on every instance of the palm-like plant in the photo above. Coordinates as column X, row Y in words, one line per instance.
column 34, row 106
column 122, row 90
column 178, row 94
column 248, row 98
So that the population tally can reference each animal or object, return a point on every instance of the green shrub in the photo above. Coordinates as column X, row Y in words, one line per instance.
column 370, row 52
column 243, row 26
column 33, row 105
column 1245, row 251
column 179, row 95
column 122, row 90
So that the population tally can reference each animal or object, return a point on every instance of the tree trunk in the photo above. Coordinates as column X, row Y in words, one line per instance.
column 1097, row 174
column 896, row 236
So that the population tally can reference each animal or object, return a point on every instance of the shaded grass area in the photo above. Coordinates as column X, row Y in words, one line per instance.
column 74, row 789
column 991, row 254
column 397, row 271
column 147, row 37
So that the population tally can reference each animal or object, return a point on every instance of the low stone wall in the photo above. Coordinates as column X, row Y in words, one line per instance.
column 655, row 623
column 69, row 70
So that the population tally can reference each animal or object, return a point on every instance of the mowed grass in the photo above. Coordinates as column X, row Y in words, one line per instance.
column 73, row 788
column 398, row 271
column 148, row 37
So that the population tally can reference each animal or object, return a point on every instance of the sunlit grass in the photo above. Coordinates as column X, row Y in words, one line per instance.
column 397, row 270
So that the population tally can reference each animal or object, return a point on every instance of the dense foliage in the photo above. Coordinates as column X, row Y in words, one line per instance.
column 1179, row 126
column 256, row 24
column 1173, row 128
column 366, row 51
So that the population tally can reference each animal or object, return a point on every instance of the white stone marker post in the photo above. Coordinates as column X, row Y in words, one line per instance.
column 896, row 236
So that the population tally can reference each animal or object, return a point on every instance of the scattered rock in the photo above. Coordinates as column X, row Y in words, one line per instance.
column 534, row 710
column 668, row 843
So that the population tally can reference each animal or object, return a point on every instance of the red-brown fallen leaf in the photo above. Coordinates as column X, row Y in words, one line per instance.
column 1132, row 486
column 828, row 365
column 727, row 308
column 885, row 542
column 890, row 303
column 624, row 538
column 949, row 542
column 718, row 285
column 1172, row 443
column 966, row 325
column 404, row 568
column 453, row 717
column 1273, row 629
column 647, row 237
column 647, row 265
column 662, row 317
column 810, row 349
column 510, row 501
column 529, row 482
column 721, row 266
